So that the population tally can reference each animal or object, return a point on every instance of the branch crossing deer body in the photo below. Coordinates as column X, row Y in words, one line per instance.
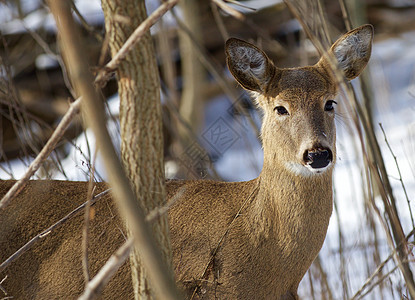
column 230, row 240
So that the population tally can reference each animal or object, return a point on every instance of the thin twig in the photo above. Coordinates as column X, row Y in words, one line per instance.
column 379, row 281
column 372, row 276
column 134, row 39
column 213, row 68
column 346, row 15
column 219, row 21
column 379, row 268
column 44, row 153
column 310, row 283
column 168, row 67
column 25, row 139
column 45, row 46
column 85, row 234
column 230, row 10
column 400, row 174
column 158, row 212
column 343, row 270
column 94, row 287
column 46, row 126
column 85, row 23
column 173, row 108
column 246, row 21
column 2, row 288
column 324, row 278
column 238, row 3
column 49, row 230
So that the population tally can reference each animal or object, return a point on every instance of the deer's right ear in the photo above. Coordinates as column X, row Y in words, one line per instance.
column 250, row 66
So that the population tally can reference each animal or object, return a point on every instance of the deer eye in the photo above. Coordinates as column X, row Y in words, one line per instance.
column 329, row 105
column 281, row 110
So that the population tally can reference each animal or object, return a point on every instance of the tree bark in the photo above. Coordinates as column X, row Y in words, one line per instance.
column 140, row 122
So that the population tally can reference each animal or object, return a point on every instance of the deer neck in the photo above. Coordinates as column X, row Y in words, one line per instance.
column 290, row 206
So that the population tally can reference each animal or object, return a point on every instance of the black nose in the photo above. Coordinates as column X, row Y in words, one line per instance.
column 318, row 158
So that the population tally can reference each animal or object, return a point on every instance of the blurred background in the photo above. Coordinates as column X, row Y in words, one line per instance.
column 211, row 125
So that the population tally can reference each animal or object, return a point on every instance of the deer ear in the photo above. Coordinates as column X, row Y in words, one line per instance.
column 353, row 50
column 250, row 66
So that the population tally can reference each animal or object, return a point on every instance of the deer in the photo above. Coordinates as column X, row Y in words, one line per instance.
column 230, row 240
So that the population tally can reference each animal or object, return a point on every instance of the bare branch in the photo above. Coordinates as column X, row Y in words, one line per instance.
column 2, row 288
column 231, row 11
column 94, row 287
column 160, row 211
column 358, row 294
column 221, row 26
column 400, row 175
column 85, row 235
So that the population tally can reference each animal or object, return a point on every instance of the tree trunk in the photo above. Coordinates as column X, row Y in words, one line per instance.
column 140, row 121
column 191, row 156
column 193, row 73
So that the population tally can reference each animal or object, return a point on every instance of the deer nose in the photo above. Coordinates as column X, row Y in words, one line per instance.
column 318, row 158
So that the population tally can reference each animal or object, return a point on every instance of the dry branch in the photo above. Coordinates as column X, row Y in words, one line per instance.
column 86, row 229
column 45, row 46
column 96, row 285
column 359, row 294
column 400, row 175
column 230, row 10
column 2, row 288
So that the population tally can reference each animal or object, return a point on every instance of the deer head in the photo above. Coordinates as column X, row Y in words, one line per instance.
column 298, row 131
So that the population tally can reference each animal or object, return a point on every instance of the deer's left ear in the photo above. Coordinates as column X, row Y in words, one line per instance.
column 353, row 50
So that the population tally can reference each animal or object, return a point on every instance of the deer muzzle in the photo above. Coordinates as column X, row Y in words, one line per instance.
column 318, row 158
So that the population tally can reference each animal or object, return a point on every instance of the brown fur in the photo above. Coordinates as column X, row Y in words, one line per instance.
column 230, row 240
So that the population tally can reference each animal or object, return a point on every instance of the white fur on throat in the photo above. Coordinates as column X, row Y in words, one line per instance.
column 305, row 170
